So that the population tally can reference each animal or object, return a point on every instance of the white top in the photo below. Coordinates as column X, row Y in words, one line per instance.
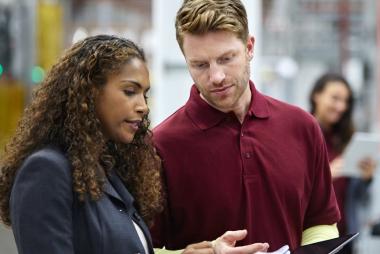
column 141, row 236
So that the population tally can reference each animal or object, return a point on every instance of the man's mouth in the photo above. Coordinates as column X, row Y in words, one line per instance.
column 220, row 90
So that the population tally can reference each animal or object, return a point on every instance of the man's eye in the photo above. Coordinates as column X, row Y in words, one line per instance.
column 200, row 66
column 226, row 59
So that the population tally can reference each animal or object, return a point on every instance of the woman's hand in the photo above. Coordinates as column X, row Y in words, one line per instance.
column 367, row 168
column 336, row 167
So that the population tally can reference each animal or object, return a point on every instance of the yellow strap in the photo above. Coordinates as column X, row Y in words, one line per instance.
column 319, row 233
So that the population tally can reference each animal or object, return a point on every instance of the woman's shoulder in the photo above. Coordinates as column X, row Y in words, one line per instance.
column 49, row 160
column 49, row 153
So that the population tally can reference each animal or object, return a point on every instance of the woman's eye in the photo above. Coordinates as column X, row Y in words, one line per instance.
column 129, row 92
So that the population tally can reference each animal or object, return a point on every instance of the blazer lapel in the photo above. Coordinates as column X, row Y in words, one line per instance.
column 116, row 188
column 109, row 189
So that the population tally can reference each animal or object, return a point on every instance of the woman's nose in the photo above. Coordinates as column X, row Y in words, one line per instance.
column 142, row 106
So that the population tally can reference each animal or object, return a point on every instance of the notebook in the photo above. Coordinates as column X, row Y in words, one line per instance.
column 362, row 145
column 331, row 246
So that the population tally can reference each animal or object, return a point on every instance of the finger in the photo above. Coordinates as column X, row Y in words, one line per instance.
column 252, row 248
column 283, row 250
column 200, row 245
column 233, row 236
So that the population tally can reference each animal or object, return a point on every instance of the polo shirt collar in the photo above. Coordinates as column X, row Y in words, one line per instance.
column 206, row 116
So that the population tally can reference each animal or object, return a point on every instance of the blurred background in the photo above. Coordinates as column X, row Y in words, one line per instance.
column 296, row 41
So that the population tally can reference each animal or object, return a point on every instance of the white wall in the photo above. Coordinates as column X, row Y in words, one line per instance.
column 7, row 242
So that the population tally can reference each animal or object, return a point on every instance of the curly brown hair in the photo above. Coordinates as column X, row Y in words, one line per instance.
column 62, row 113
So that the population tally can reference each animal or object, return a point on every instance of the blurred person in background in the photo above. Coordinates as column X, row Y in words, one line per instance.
column 332, row 103
column 81, row 169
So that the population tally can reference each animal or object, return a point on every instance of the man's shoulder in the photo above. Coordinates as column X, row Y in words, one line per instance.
column 283, row 109
column 174, row 131
column 172, row 123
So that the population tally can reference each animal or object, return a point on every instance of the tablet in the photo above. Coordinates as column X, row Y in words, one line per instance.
column 331, row 246
column 362, row 145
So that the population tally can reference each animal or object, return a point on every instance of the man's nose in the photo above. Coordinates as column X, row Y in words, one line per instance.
column 217, row 74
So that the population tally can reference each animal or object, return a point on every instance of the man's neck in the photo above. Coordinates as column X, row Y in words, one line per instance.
column 243, row 106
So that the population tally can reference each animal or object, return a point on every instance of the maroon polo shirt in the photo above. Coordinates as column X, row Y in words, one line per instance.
column 340, row 184
column 269, row 175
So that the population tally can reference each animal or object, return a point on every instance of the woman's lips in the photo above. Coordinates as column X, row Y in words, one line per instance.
column 134, row 124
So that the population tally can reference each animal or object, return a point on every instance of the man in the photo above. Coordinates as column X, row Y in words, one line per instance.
column 234, row 158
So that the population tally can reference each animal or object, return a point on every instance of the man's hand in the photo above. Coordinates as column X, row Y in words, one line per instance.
column 225, row 244
column 283, row 250
column 204, row 247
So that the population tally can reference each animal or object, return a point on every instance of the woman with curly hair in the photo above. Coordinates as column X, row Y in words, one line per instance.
column 81, row 168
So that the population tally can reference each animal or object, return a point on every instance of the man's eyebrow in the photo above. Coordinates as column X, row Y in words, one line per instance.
column 228, row 52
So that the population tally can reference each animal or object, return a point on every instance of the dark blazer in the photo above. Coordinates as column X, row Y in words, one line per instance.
column 47, row 216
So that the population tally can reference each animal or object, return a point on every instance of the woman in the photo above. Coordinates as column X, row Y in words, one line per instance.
column 81, row 168
column 332, row 103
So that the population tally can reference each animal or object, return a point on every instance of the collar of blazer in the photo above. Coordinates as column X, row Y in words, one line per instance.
column 116, row 188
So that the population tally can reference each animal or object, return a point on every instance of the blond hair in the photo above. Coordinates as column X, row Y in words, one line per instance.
column 202, row 16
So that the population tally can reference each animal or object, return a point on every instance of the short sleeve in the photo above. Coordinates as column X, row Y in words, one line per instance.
column 323, row 208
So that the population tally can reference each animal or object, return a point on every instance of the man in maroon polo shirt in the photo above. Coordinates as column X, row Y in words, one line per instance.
column 234, row 158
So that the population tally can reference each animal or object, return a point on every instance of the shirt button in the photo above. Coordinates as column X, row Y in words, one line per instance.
column 136, row 216
column 242, row 134
column 248, row 155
